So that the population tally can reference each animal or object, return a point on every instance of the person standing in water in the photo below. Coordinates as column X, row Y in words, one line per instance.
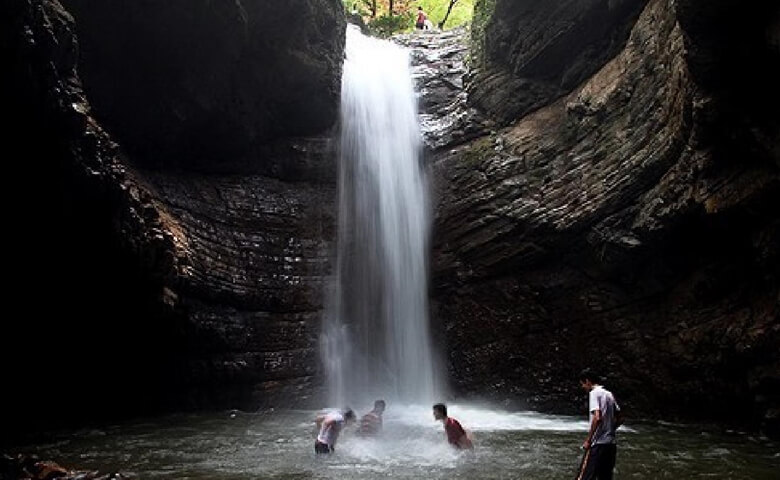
column 456, row 434
column 600, row 445
column 371, row 423
column 330, row 426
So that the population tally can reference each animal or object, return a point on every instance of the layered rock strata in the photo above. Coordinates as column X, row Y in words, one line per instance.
column 172, row 263
column 630, row 224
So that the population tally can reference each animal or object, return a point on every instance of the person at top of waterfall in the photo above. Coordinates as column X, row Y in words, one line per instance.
column 456, row 434
column 371, row 423
column 330, row 426
column 421, row 18
column 605, row 417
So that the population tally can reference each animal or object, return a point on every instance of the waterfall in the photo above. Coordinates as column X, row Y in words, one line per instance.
column 376, row 341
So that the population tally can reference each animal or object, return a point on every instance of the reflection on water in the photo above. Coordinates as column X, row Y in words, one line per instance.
column 279, row 445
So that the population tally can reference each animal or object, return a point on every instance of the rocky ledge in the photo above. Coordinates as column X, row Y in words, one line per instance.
column 440, row 70
column 30, row 467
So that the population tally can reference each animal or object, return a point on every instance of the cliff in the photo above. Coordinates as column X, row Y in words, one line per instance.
column 606, row 179
column 625, row 217
column 178, row 212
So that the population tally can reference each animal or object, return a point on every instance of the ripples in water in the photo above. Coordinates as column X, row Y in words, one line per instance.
column 279, row 445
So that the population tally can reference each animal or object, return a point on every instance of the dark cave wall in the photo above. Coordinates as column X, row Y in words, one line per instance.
column 90, row 256
column 528, row 53
column 152, row 289
column 206, row 85
column 630, row 225
column 625, row 217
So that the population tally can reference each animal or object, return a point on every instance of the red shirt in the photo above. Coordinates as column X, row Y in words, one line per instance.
column 454, row 431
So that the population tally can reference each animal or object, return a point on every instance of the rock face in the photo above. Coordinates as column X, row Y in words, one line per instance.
column 623, row 216
column 528, row 53
column 631, row 224
column 257, row 253
column 439, row 68
column 92, row 253
column 146, row 289
column 202, row 84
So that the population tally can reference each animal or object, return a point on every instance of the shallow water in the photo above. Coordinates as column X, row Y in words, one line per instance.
column 279, row 445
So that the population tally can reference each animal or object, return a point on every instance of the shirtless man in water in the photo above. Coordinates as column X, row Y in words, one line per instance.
column 371, row 423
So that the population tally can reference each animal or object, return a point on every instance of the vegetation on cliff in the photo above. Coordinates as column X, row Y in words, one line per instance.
column 381, row 21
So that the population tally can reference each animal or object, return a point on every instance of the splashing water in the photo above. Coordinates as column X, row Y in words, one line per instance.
column 279, row 445
column 375, row 340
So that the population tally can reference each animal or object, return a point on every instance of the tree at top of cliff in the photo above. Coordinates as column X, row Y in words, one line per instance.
column 444, row 13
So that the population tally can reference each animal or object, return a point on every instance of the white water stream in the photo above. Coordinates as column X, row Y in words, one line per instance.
column 376, row 341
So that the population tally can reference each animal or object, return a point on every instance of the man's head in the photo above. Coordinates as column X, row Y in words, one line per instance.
column 379, row 406
column 588, row 378
column 349, row 415
column 419, row 8
column 439, row 411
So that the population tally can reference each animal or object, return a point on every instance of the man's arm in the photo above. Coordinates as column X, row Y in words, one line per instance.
column 322, row 420
column 593, row 425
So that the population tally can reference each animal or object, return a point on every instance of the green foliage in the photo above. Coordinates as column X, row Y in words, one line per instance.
column 387, row 25
column 406, row 13
column 461, row 14
column 483, row 13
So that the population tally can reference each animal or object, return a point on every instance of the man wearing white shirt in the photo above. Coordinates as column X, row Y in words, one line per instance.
column 330, row 426
column 601, row 442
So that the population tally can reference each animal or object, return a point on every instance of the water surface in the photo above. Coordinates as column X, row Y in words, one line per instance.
column 279, row 445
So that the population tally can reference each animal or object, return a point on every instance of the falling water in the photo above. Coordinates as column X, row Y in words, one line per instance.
column 376, row 341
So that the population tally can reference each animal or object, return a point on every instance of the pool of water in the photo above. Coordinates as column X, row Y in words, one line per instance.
column 279, row 445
